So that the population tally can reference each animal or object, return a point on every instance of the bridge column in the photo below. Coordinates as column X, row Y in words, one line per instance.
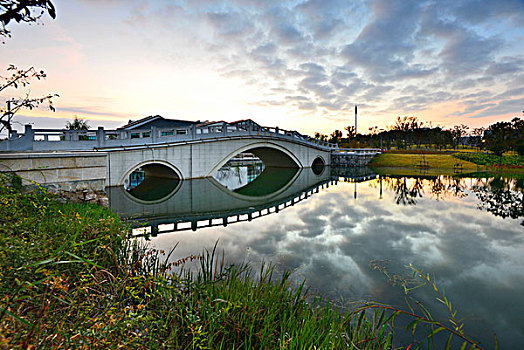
column 28, row 131
column 100, row 136
column 154, row 134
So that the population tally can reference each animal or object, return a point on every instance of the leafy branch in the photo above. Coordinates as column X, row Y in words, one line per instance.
column 28, row 11
column 21, row 78
column 455, row 328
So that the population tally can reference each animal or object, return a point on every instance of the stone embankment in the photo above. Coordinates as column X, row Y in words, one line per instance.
column 84, row 196
column 63, row 171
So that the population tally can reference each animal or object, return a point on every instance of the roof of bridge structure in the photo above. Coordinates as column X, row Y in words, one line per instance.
column 141, row 123
column 157, row 119
column 211, row 123
column 246, row 121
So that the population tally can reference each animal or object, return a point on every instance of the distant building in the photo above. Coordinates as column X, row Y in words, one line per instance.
column 181, row 127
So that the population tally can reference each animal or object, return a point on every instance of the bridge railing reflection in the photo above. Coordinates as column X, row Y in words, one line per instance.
column 225, row 218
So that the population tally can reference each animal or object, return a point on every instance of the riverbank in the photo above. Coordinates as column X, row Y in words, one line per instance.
column 71, row 279
column 437, row 163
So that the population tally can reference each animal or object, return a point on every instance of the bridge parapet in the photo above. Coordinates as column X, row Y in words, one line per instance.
column 69, row 140
column 353, row 157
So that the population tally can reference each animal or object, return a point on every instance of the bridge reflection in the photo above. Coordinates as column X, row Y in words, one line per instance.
column 200, row 203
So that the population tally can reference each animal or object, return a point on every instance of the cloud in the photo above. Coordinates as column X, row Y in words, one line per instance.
column 333, row 53
column 508, row 106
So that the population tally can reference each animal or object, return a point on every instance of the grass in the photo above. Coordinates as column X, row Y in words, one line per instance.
column 70, row 278
column 412, row 163
column 434, row 161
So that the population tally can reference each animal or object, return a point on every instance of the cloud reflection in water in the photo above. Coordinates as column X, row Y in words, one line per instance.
column 330, row 239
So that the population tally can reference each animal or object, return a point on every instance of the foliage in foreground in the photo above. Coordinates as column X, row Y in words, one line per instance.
column 70, row 279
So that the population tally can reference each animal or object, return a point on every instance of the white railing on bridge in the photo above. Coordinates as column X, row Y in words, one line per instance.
column 357, row 151
column 61, row 139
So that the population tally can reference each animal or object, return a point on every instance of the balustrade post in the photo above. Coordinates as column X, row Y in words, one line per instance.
column 193, row 132
column 74, row 136
column 100, row 136
column 224, row 129
column 28, row 131
column 154, row 134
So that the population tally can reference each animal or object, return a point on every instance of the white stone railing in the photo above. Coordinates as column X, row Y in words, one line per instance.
column 63, row 140
column 357, row 151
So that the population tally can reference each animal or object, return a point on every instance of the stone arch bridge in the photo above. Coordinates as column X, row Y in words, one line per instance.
column 59, row 156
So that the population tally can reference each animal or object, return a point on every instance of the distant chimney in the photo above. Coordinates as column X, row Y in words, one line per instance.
column 355, row 119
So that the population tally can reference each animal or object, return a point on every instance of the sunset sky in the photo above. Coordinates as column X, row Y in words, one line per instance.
column 294, row 64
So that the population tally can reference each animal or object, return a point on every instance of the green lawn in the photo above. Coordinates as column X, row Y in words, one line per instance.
column 433, row 161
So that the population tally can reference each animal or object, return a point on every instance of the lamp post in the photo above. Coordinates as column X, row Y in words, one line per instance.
column 381, row 130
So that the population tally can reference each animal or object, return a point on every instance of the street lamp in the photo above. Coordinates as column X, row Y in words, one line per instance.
column 381, row 139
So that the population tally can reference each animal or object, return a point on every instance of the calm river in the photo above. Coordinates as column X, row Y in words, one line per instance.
column 343, row 231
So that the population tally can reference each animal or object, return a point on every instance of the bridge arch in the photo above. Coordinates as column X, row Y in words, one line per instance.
column 151, row 162
column 318, row 166
column 154, row 172
column 271, row 154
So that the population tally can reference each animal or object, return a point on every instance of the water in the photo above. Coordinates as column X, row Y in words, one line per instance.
column 467, row 232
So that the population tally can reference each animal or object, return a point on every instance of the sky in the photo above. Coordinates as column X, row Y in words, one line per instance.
column 301, row 64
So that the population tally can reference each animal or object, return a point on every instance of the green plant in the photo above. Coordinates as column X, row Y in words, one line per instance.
column 491, row 159
column 454, row 327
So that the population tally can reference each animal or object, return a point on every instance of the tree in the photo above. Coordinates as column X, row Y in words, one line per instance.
column 476, row 136
column 404, row 128
column 321, row 137
column 28, row 11
column 350, row 132
column 518, row 130
column 458, row 132
column 21, row 78
column 77, row 124
column 499, row 137
column 336, row 136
